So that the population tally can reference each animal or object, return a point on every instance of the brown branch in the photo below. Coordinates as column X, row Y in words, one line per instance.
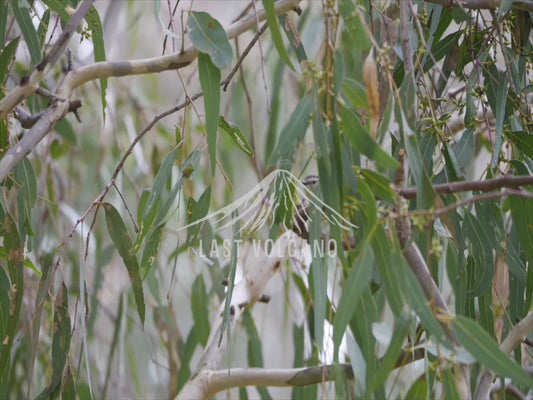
column 468, row 186
column 474, row 199
column 526, row 5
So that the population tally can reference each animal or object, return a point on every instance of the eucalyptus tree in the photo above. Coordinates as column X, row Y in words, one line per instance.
column 277, row 198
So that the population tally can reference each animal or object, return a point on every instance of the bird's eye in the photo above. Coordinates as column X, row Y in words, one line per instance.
column 311, row 181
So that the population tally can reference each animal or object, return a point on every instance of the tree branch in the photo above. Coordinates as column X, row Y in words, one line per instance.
column 216, row 381
column 467, row 186
column 30, row 83
column 59, row 108
column 474, row 199
column 526, row 5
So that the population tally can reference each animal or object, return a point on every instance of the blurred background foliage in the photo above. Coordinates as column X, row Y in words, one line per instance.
column 101, row 296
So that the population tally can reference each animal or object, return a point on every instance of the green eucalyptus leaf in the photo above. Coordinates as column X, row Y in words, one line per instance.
column 294, row 131
column 363, row 142
column 276, row 33
column 6, row 57
column 122, row 241
column 23, row 18
column 200, row 311
column 479, row 343
column 358, row 280
column 237, row 136
column 209, row 37
column 210, row 82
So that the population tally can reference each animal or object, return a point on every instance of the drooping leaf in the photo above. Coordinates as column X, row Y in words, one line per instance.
column 505, row 6
column 363, row 142
column 97, row 35
column 294, row 39
column 379, row 184
column 394, row 349
column 5, row 59
column 26, row 182
column 58, row 7
column 23, row 18
column 523, row 142
column 151, row 249
column 13, row 246
column 382, row 253
column 198, row 210
column 255, row 349
column 293, row 132
column 200, row 310
column 425, row 194
column 276, row 34
column 68, row 388
column 356, row 93
column 149, row 202
column 318, row 277
column 354, row 25
column 60, row 342
column 368, row 206
column 191, row 163
column 122, row 241
column 210, row 82
column 5, row 302
column 501, row 102
column 522, row 214
column 368, row 311
column 237, row 136
column 481, row 253
column 3, row 23
column 478, row 342
column 358, row 279
column 209, row 37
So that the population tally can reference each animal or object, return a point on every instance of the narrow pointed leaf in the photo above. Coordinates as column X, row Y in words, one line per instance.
column 363, row 142
column 23, row 18
column 276, row 33
column 210, row 82
column 479, row 343
column 60, row 342
column 358, row 280
column 6, row 57
column 97, row 35
column 294, row 131
column 523, row 141
column 394, row 349
column 200, row 310
column 122, row 241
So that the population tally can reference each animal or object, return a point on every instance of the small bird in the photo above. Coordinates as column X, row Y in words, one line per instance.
column 311, row 181
column 301, row 216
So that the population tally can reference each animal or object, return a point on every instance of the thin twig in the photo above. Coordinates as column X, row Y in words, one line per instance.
column 226, row 81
